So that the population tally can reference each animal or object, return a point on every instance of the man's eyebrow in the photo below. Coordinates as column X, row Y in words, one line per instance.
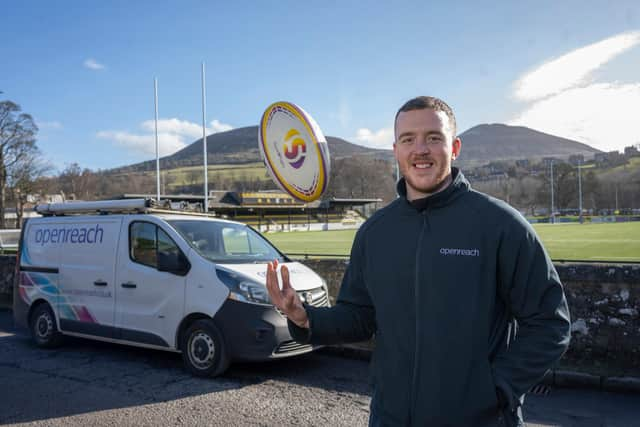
column 411, row 133
column 435, row 132
column 406, row 133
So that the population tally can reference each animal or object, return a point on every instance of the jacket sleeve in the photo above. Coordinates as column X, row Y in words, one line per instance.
column 352, row 319
column 530, row 288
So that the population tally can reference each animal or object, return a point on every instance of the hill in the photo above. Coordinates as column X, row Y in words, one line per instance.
column 488, row 142
column 240, row 146
column 480, row 145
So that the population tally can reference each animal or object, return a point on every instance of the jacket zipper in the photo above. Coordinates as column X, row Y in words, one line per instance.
column 416, row 295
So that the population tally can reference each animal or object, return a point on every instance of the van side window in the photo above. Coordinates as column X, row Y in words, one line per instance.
column 240, row 242
column 149, row 244
column 166, row 245
column 236, row 241
column 142, row 243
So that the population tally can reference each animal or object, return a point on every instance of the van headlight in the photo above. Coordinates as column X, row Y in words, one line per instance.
column 244, row 289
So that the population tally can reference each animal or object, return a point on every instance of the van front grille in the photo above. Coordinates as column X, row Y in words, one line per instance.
column 314, row 297
column 317, row 297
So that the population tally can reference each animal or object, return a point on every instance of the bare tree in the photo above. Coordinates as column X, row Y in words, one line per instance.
column 357, row 177
column 17, row 141
column 24, row 178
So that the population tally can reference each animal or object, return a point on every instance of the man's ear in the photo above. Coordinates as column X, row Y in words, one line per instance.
column 456, row 146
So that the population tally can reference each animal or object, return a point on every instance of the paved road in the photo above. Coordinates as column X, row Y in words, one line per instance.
column 89, row 383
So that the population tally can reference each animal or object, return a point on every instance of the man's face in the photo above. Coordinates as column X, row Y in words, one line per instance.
column 424, row 149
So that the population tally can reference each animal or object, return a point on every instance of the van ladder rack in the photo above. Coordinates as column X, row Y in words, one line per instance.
column 95, row 207
column 104, row 207
column 170, row 211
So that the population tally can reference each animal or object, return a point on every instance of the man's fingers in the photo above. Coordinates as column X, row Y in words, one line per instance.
column 284, row 271
column 291, row 299
column 286, row 299
column 272, row 284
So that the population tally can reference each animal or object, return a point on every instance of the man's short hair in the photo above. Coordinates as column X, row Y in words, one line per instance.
column 424, row 102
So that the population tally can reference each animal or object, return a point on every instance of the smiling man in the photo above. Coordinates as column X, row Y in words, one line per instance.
column 467, row 309
column 425, row 146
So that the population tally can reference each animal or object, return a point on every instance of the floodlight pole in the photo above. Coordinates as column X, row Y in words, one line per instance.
column 552, row 217
column 205, row 207
column 155, row 91
column 580, row 191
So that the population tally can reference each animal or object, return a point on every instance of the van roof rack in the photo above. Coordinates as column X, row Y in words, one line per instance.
column 96, row 207
column 104, row 207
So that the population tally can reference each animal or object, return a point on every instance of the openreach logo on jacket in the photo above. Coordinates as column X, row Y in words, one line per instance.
column 69, row 235
column 460, row 252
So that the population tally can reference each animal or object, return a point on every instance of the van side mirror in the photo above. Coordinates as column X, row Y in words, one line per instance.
column 173, row 262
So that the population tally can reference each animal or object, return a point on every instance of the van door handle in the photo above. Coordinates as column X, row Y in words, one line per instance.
column 100, row 283
column 128, row 285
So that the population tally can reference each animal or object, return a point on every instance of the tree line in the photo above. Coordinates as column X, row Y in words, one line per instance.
column 604, row 190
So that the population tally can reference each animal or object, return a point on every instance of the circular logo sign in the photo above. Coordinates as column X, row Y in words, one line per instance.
column 294, row 151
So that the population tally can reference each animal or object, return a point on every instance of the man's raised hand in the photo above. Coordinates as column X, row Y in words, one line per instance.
column 287, row 299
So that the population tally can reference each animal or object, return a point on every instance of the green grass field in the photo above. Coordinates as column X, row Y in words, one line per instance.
column 609, row 242
column 606, row 242
column 336, row 242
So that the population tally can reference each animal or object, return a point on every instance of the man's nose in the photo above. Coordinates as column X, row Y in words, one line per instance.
column 422, row 145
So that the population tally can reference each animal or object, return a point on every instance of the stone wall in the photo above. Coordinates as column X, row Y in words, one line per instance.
column 7, row 271
column 604, row 301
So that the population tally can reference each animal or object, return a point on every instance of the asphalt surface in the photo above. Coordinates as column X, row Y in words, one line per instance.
column 87, row 383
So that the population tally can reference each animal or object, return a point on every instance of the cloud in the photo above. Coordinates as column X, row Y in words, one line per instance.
column 145, row 144
column 216, row 126
column 92, row 64
column 603, row 115
column 174, row 126
column 382, row 138
column 173, row 135
column 572, row 69
column 53, row 125
column 185, row 128
column 564, row 99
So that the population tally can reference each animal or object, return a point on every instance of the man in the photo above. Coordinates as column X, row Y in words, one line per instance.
column 467, row 309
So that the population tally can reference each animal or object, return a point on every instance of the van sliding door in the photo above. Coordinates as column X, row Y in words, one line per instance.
column 87, row 250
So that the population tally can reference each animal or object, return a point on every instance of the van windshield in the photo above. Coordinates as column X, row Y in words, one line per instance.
column 224, row 242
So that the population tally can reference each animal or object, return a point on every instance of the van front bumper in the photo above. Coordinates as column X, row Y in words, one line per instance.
column 256, row 332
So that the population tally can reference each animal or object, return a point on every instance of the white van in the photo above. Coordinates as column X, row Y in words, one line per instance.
column 122, row 272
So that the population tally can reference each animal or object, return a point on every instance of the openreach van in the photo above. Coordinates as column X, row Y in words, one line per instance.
column 124, row 272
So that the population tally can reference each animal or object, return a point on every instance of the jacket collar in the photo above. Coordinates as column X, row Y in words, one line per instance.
column 459, row 185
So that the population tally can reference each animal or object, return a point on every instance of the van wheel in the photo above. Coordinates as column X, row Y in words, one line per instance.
column 43, row 327
column 203, row 349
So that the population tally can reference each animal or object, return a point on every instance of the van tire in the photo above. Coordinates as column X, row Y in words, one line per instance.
column 42, row 324
column 203, row 350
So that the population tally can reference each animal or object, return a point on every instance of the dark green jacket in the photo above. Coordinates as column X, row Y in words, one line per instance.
column 463, row 300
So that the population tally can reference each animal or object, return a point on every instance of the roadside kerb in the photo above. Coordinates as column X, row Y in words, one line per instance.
column 556, row 377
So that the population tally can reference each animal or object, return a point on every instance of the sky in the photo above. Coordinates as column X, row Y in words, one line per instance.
column 85, row 70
